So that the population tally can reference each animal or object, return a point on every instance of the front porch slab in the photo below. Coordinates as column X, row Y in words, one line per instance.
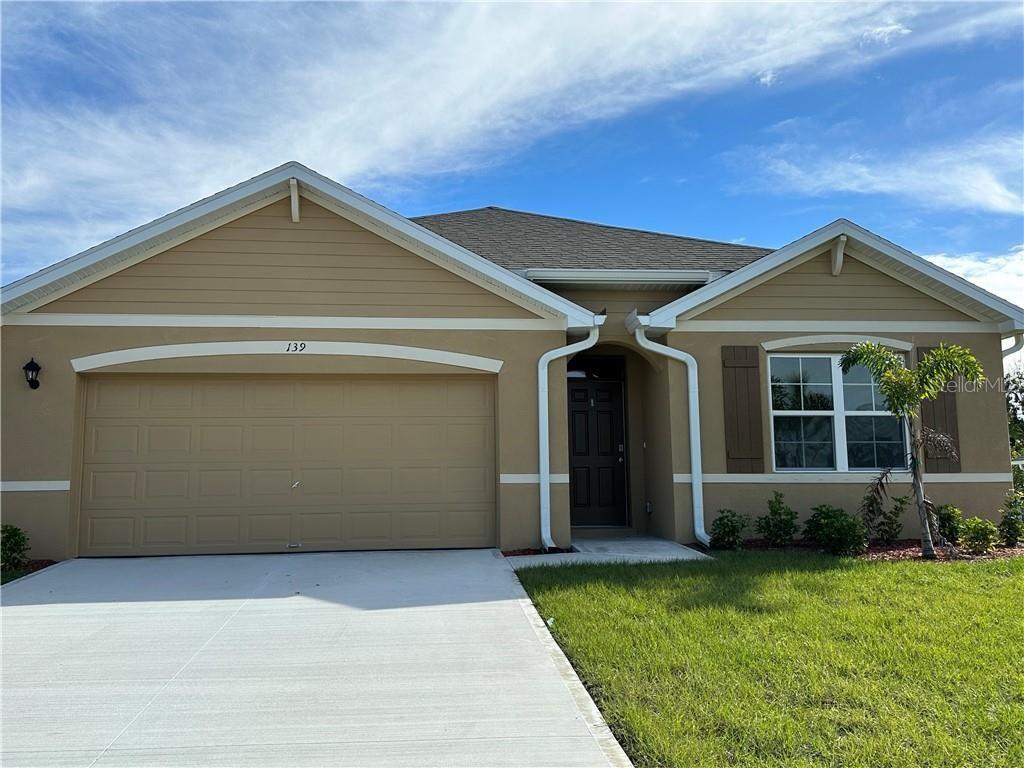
column 625, row 549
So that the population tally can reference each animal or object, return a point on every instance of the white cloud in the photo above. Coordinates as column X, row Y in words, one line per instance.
column 1001, row 274
column 768, row 78
column 185, row 99
column 979, row 173
column 885, row 33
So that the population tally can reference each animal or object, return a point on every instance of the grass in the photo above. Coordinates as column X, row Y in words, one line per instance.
column 782, row 659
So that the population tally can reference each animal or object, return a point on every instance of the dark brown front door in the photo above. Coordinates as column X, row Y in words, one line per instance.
column 597, row 453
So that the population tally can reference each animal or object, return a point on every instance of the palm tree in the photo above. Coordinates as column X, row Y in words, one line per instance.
column 904, row 389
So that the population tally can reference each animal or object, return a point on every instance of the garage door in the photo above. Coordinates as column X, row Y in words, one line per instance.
column 176, row 464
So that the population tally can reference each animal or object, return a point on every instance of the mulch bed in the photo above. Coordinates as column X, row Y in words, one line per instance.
column 518, row 552
column 904, row 549
column 910, row 549
column 35, row 565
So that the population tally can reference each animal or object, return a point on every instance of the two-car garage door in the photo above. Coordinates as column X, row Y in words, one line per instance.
column 195, row 464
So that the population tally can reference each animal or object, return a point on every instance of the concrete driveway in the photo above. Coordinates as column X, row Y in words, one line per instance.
column 334, row 659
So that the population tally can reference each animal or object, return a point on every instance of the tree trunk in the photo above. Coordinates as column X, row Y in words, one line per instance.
column 927, row 546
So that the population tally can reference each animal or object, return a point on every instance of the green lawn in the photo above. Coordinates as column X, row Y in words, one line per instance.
column 779, row 659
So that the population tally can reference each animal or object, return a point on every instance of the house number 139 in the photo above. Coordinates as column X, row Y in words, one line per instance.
column 296, row 346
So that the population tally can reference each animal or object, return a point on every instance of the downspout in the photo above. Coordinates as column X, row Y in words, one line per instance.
column 1018, row 345
column 543, row 427
column 637, row 324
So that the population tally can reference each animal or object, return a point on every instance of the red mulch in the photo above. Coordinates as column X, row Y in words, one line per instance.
column 904, row 549
column 910, row 549
column 518, row 552
column 38, row 565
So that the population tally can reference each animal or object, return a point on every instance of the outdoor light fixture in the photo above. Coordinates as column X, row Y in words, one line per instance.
column 32, row 369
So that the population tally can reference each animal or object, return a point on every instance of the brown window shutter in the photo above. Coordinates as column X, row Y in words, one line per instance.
column 940, row 414
column 741, row 395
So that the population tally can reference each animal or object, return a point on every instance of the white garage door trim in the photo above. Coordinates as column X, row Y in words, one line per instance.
column 221, row 348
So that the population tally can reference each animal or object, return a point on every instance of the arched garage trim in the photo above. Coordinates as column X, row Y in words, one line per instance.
column 293, row 348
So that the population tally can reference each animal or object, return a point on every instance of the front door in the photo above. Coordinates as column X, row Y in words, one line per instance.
column 597, row 453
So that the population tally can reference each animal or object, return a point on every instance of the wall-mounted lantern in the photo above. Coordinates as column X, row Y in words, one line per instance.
column 32, row 369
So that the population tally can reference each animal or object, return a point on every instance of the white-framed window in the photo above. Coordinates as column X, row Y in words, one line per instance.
column 823, row 419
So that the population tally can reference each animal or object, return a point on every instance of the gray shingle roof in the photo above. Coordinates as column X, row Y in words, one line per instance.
column 520, row 240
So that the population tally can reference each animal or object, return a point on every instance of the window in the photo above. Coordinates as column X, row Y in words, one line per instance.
column 826, row 420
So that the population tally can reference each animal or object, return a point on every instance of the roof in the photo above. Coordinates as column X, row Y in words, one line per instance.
column 185, row 223
column 518, row 240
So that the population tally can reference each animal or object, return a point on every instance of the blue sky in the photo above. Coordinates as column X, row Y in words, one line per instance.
column 749, row 123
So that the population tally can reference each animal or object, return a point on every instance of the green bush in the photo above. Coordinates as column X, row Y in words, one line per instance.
column 978, row 535
column 1018, row 478
column 13, row 547
column 1011, row 527
column 880, row 524
column 727, row 530
column 835, row 531
column 890, row 526
column 951, row 521
column 779, row 525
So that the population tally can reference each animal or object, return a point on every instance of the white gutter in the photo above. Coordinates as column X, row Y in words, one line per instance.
column 637, row 324
column 543, row 426
column 606, row 277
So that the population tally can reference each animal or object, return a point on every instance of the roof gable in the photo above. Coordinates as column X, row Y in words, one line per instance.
column 267, row 263
column 241, row 199
column 870, row 248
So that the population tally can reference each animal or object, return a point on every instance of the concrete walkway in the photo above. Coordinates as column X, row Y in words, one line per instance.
column 627, row 549
column 347, row 659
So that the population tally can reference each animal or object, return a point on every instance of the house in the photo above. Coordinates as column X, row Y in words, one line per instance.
column 287, row 365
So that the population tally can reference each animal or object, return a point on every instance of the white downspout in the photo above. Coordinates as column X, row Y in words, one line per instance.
column 1018, row 345
column 637, row 324
column 543, row 427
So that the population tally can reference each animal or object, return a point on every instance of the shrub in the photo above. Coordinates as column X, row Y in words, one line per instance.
column 951, row 521
column 890, row 526
column 835, row 531
column 779, row 525
column 978, row 535
column 13, row 547
column 1018, row 478
column 1011, row 527
column 880, row 524
column 727, row 530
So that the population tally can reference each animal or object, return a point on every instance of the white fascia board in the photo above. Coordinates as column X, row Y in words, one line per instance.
column 666, row 316
column 617, row 276
column 97, row 320
column 314, row 186
column 833, row 326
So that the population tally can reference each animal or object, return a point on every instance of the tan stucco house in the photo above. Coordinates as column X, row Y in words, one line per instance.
column 287, row 365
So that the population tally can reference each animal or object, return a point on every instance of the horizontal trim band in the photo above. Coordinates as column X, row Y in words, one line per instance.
column 796, row 478
column 510, row 479
column 284, row 347
column 34, row 485
column 283, row 321
column 837, row 326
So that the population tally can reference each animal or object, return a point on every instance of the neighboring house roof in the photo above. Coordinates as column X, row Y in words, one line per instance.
column 518, row 240
column 275, row 184
column 879, row 253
